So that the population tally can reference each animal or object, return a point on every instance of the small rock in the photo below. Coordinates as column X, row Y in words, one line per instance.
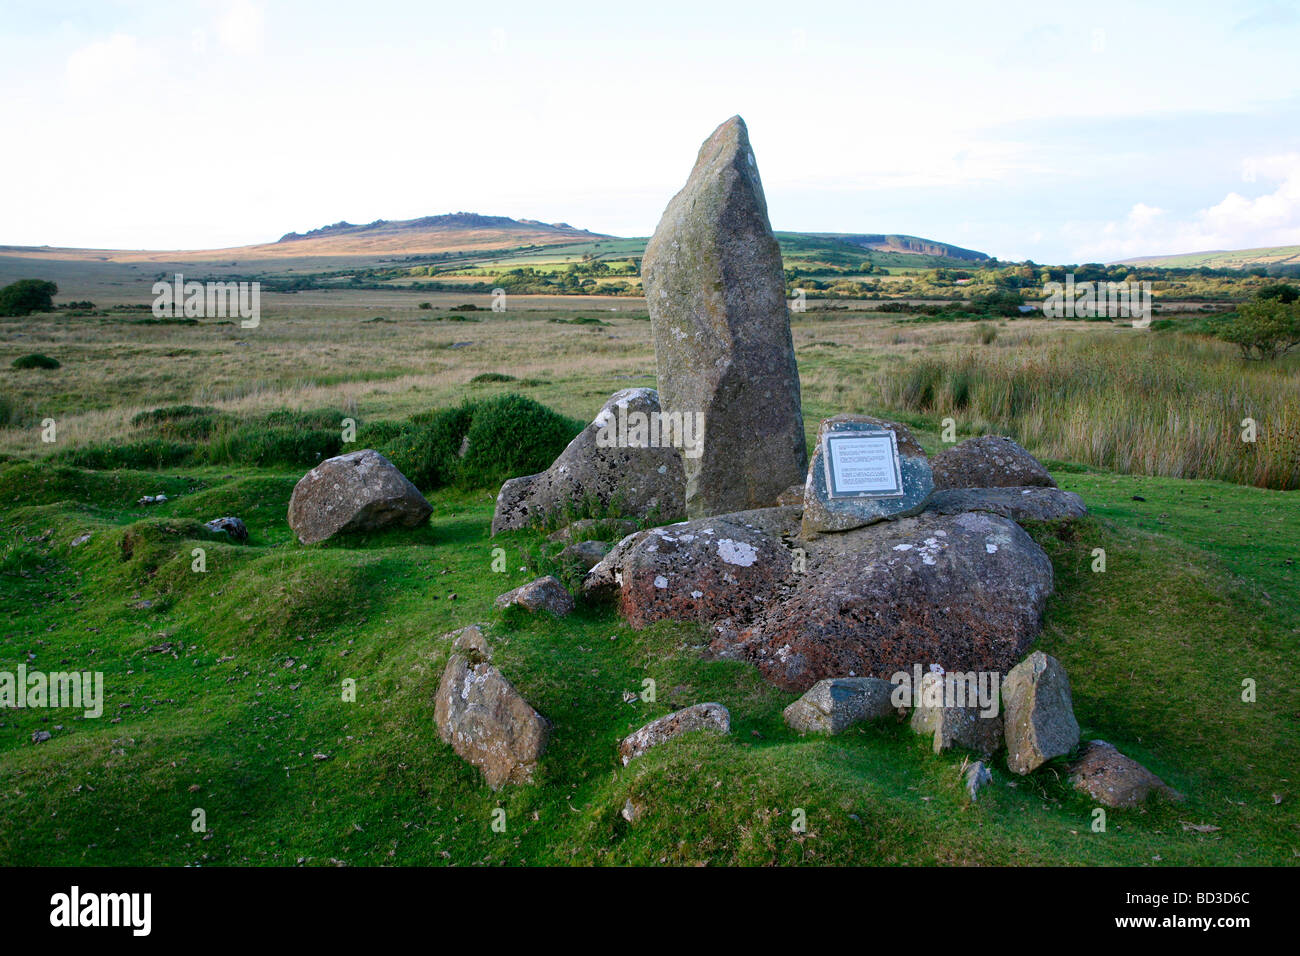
column 231, row 526
column 470, row 641
column 41, row 736
column 82, row 539
column 151, row 500
column 989, row 461
column 488, row 723
column 1018, row 504
column 359, row 491
column 977, row 776
column 833, row 705
column 543, row 594
column 957, row 725
column 712, row 717
column 1038, row 712
column 1111, row 778
column 586, row 554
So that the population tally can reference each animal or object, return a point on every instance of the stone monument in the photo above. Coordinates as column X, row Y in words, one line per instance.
column 716, row 294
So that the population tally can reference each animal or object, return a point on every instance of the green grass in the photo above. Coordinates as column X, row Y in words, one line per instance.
column 232, row 721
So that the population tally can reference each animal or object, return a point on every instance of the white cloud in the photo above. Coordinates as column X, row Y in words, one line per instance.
column 241, row 28
column 1235, row 222
column 105, row 64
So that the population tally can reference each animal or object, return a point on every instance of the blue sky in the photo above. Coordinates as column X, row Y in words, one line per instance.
column 1060, row 132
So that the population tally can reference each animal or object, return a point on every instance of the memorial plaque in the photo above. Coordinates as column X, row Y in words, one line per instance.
column 863, row 470
column 863, row 466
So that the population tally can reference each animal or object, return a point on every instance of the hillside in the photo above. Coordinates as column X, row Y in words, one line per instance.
column 458, row 232
column 1283, row 259
column 452, row 232
column 911, row 245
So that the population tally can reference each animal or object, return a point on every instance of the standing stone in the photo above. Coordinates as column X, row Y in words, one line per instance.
column 1039, row 713
column 715, row 290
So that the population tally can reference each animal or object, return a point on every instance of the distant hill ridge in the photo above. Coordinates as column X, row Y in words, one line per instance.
column 881, row 242
column 447, row 221
column 1276, row 260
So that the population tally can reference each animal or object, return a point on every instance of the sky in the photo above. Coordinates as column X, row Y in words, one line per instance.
column 1057, row 132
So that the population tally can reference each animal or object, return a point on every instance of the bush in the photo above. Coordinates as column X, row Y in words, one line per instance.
column 427, row 450
column 1006, row 302
column 170, row 413
column 491, row 377
column 1264, row 328
column 500, row 437
column 35, row 360
column 1282, row 291
column 27, row 296
column 512, row 435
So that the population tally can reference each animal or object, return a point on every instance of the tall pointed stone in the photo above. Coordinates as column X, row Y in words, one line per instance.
column 716, row 293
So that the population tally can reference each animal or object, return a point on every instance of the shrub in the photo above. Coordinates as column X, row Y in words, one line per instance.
column 491, row 377
column 480, row 444
column 169, row 413
column 1282, row 291
column 35, row 360
column 427, row 450
column 512, row 435
column 1264, row 328
column 27, row 296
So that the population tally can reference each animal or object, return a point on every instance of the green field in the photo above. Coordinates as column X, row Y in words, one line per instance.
column 223, row 687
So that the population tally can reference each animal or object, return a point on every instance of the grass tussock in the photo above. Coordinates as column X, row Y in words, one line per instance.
column 1152, row 405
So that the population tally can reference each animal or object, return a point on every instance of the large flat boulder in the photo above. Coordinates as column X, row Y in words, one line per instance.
column 988, row 461
column 964, row 591
column 715, row 291
column 486, row 721
column 612, row 466
column 704, row 570
column 1019, row 504
column 359, row 491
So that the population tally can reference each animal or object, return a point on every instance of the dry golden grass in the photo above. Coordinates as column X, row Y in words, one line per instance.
column 1119, row 398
